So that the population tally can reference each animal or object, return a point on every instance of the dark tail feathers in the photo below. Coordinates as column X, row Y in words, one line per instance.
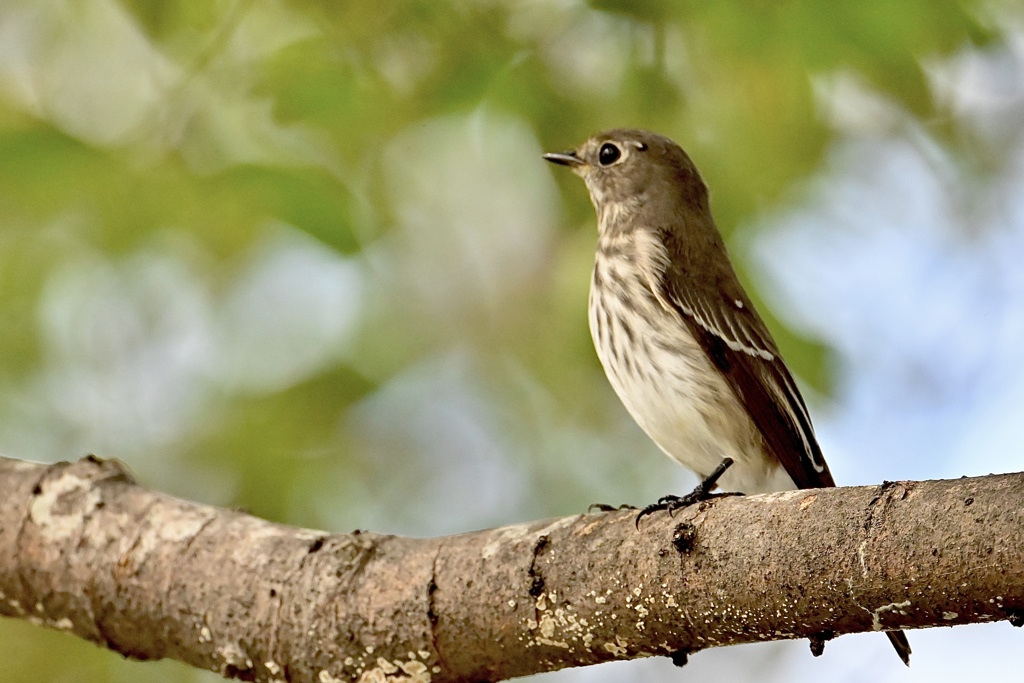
column 901, row 644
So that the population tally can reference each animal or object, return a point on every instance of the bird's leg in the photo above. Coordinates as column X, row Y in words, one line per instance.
column 703, row 492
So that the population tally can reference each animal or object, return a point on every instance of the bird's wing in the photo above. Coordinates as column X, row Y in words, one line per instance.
column 721, row 318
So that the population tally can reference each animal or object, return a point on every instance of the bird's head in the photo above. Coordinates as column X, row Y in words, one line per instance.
column 625, row 169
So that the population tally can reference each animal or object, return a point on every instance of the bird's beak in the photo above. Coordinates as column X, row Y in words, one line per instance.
column 564, row 158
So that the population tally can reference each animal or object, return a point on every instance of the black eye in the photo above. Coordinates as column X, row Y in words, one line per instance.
column 608, row 154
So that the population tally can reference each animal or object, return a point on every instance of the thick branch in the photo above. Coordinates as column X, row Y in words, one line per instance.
column 85, row 549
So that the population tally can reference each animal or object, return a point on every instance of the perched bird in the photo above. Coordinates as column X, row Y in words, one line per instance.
column 678, row 336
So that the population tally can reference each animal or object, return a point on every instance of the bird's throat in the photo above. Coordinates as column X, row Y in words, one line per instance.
column 616, row 216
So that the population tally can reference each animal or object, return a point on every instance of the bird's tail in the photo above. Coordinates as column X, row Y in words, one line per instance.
column 901, row 644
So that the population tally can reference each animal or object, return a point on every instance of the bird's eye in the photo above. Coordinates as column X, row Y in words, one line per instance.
column 608, row 154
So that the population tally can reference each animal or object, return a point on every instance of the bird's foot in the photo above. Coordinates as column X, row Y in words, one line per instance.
column 703, row 492
column 602, row 507
column 672, row 503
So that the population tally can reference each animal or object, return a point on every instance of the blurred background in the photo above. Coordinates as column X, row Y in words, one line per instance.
column 303, row 257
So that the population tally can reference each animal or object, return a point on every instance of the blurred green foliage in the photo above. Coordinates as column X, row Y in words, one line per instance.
column 190, row 131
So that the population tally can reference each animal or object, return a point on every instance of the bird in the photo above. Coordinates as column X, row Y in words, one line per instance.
column 678, row 336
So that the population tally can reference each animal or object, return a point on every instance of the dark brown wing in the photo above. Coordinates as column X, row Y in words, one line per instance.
column 720, row 316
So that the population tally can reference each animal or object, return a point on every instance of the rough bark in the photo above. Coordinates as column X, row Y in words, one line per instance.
column 85, row 549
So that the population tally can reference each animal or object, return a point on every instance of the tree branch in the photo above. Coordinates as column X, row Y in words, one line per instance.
column 85, row 549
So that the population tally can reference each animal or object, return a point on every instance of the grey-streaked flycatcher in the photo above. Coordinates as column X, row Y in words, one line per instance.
column 678, row 336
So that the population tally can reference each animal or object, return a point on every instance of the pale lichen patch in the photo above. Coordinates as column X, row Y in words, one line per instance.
column 553, row 643
column 234, row 656
column 617, row 649
column 183, row 527
column 414, row 668
column 399, row 671
column 876, row 620
column 46, row 511
column 862, row 556
column 19, row 466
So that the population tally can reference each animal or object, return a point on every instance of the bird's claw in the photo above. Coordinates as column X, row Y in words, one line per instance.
column 703, row 492
column 670, row 504
column 602, row 507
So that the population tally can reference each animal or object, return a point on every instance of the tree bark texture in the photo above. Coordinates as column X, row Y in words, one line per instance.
column 85, row 549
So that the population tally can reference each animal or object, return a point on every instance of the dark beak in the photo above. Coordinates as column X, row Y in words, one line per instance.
column 564, row 158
